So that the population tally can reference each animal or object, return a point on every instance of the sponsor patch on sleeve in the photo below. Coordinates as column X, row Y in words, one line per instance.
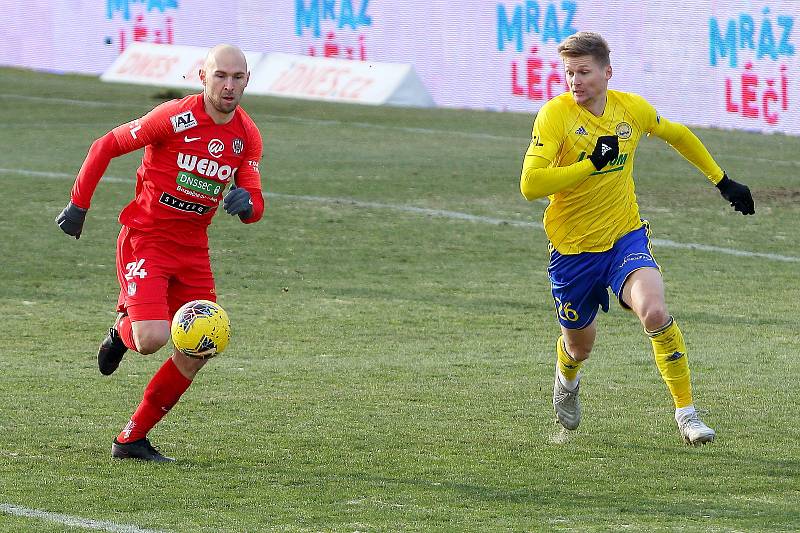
column 183, row 121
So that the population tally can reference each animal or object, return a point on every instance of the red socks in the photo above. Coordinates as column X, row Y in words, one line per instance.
column 125, row 330
column 160, row 395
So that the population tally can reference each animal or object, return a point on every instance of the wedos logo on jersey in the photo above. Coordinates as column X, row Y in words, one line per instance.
column 206, row 167
column 183, row 121
column 215, row 147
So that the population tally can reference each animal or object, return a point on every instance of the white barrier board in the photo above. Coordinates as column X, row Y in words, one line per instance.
column 339, row 80
column 163, row 65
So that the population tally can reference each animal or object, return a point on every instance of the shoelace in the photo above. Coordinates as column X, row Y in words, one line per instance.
column 563, row 395
column 693, row 422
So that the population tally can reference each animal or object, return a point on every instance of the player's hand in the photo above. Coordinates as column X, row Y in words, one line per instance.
column 737, row 194
column 238, row 202
column 605, row 151
column 70, row 220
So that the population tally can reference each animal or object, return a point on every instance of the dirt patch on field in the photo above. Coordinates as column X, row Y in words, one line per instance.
column 778, row 196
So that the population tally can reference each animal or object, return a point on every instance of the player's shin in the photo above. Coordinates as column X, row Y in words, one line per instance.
column 161, row 394
column 673, row 364
column 568, row 367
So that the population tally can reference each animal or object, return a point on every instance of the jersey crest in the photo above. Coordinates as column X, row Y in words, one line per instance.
column 624, row 130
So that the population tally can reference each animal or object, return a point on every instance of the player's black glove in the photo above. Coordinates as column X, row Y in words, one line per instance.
column 606, row 150
column 737, row 194
column 238, row 202
column 70, row 220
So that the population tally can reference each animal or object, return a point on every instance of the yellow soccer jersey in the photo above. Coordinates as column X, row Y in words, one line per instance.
column 592, row 209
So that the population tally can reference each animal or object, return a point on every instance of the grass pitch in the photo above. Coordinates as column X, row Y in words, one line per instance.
column 391, row 369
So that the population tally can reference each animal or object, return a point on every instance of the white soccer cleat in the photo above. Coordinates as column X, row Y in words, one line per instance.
column 694, row 431
column 566, row 404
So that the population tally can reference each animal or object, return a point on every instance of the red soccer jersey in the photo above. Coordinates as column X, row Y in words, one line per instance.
column 188, row 162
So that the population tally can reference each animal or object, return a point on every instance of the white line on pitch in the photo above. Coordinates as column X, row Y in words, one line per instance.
column 72, row 521
column 441, row 213
column 369, row 125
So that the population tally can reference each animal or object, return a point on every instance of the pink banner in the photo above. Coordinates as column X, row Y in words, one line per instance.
column 721, row 63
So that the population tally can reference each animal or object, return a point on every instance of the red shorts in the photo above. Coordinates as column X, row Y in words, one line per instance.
column 157, row 276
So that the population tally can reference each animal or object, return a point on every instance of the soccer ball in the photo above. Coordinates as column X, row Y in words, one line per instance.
column 201, row 329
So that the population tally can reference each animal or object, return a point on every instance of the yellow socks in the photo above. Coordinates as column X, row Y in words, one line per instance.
column 567, row 366
column 670, row 353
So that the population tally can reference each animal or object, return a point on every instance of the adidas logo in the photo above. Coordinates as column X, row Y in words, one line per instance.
column 675, row 356
column 604, row 148
column 582, row 131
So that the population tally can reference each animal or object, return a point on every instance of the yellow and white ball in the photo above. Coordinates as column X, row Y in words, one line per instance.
column 201, row 329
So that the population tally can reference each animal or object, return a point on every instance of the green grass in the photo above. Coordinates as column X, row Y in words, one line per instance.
column 389, row 370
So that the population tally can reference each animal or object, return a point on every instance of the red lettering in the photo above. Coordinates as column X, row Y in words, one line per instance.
column 330, row 48
column 730, row 106
column 516, row 88
column 784, row 89
column 749, row 96
column 193, row 74
column 327, row 76
column 534, row 66
column 769, row 96
column 354, row 88
column 554, row 78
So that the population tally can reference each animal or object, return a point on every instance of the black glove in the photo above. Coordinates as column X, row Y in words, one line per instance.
column 238, row 202
column 70, row 220
column 737, row 194
column 606, row 150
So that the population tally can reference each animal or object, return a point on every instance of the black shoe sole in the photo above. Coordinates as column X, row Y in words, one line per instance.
column 140, row 450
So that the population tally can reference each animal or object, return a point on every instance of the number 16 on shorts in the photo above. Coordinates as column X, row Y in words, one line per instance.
column 565, row 311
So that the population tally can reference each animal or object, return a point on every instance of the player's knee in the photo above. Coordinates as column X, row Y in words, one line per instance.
column 579, row 350
column 654, row 317
column 150, row 341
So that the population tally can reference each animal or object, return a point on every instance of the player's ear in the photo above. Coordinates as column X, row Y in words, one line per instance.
column 202, row 74
column 608, row 72
column 247, row 79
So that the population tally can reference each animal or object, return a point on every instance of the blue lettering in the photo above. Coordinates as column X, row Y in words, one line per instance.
column 766, row 41
column 509, row 30
column 719, row 46
column 551, row 28
column 363, row 18
column 747, row 28
column 785, row 47
column 306, row 18
column 527, row 17
column 317, row 11
column 570, row 8
column 124, row 6
column 346, row 17
column 161, row 5
column 329, row 9
column 531, row 16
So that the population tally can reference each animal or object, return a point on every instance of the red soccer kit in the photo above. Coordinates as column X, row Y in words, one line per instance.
column 162, row 250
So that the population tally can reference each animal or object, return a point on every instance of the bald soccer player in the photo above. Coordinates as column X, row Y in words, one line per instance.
column 193, row 149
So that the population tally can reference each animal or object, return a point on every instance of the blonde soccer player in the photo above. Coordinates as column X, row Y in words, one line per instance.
column 581, row 157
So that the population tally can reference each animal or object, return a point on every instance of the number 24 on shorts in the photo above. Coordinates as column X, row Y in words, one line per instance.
column 565, row 311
